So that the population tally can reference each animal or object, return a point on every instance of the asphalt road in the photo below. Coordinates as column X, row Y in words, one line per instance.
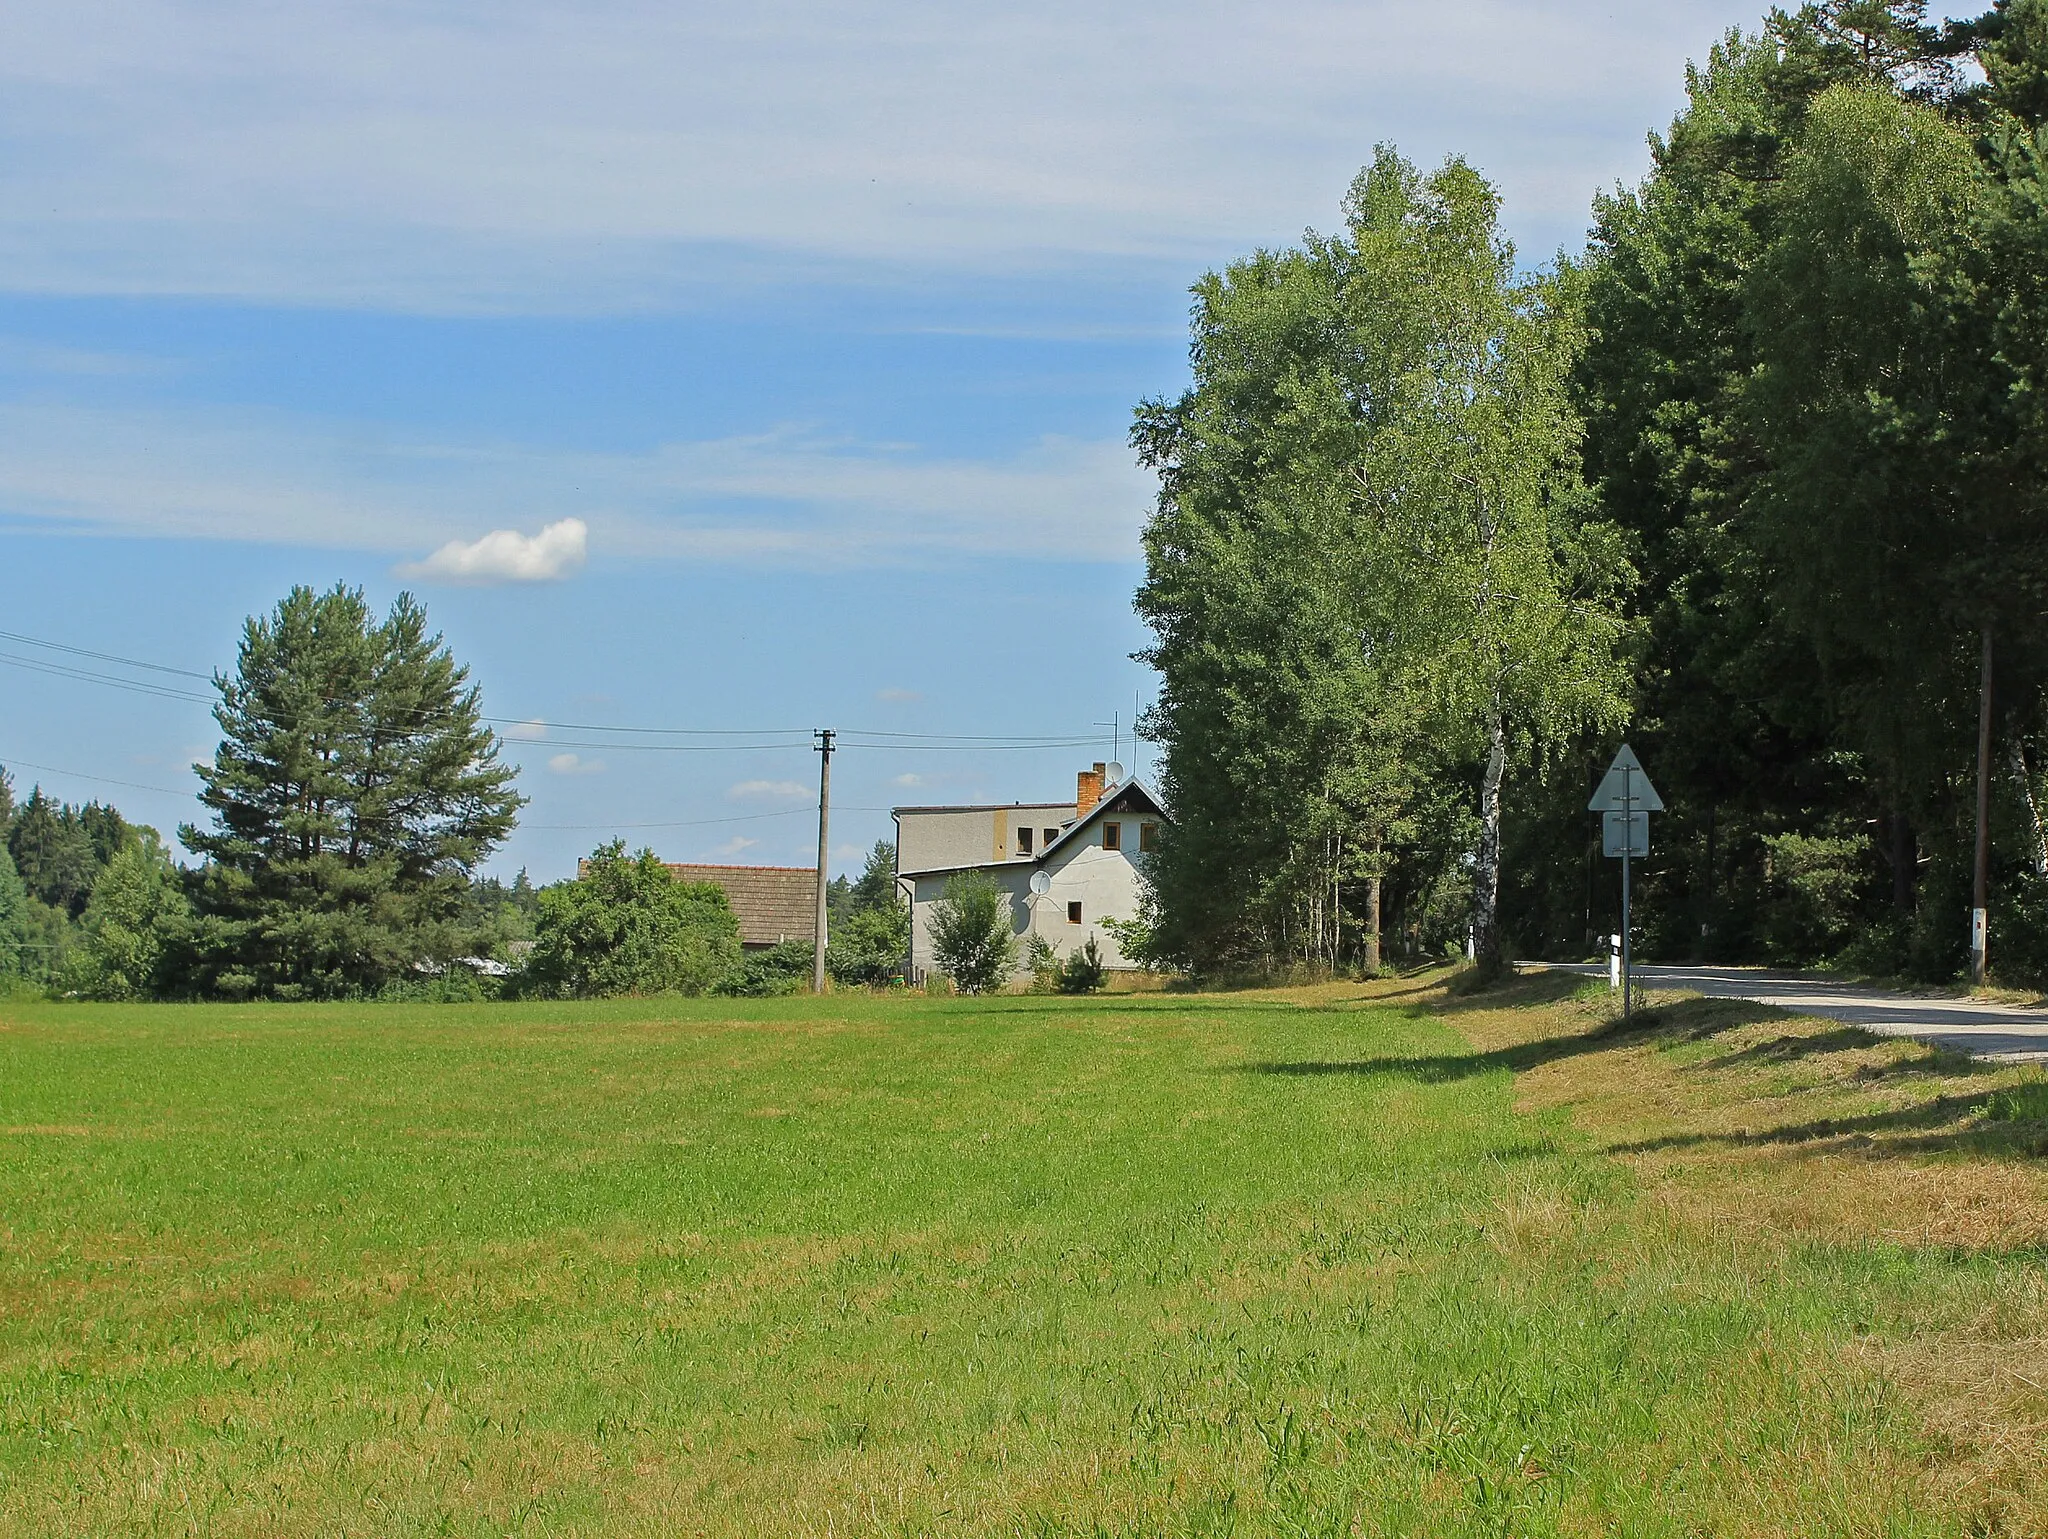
column 1984, row 1030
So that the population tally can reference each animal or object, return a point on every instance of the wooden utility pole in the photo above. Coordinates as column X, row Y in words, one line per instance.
column 818, row 936
column 1980, row 887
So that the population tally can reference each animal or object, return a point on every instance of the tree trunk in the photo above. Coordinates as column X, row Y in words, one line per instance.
column 1486, row 937
column 2024, row 774
column 1372, row 914
column 1905, row 864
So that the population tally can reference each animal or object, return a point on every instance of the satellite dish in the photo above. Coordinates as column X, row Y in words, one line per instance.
column 1114, row 774
column 1041, row 884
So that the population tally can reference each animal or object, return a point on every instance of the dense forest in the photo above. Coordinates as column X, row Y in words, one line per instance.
column 1759, row 480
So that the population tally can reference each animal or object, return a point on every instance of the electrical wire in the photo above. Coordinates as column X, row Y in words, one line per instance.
column 52, row 769
column 849, row 738
column 105, row 657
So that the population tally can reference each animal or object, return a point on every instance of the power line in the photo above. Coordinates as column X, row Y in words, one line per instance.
column 52, row 769
column 799, row 736
column 66, row 671
column 105, row 657
column 750, row 817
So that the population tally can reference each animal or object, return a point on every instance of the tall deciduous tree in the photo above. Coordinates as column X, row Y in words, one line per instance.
column 1369, row 570
column 355, row 789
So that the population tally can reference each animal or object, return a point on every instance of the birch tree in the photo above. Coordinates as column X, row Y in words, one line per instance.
column 1368, row 573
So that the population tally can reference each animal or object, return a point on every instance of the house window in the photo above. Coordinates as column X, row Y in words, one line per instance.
column 1148, row 838
column 1073, row 913
column 1023, row 841
column 1112, row 836
column 1050, row 835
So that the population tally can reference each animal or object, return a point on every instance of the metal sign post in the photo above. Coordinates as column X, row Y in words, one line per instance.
column 1625, row 799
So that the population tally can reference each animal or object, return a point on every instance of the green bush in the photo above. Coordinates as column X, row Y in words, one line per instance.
column 1083, row 972
column 973, row 940
column 627, row 926
column 1044, row 963
column 781, row 969
column 868, row 946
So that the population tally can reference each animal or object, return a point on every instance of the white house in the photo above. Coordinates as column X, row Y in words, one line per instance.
column 1089, row 855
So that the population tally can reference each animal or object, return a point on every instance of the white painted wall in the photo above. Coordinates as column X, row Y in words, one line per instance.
column 1106, row 883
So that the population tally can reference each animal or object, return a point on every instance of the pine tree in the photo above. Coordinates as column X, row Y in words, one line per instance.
column 53, row 852
column 354, row 791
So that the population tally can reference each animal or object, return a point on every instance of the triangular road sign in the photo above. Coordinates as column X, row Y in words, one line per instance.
column 1625, row 788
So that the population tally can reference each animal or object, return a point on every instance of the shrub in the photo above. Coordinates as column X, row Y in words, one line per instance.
column 780, row 969
column 867, row 946
column 626, row 926
column 1083, row 972
column 1044, row 963
column 973, row 939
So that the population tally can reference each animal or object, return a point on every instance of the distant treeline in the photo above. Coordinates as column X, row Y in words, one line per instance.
column 1759, row 480
column 355, row 793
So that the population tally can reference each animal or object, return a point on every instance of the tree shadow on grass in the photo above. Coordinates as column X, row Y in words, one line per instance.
column 1517, row 991
column 1955, row 1119
column 1686, row 1021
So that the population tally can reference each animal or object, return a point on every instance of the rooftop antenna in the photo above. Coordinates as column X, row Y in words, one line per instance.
column 1116, row 739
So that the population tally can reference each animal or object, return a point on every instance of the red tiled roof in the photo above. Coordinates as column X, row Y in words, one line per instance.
column 773, row 903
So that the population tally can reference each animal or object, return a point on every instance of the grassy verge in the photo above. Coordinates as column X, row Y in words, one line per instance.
column 1330, row 1261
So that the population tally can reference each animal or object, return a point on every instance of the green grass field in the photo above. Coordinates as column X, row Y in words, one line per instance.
column 1248, row 1264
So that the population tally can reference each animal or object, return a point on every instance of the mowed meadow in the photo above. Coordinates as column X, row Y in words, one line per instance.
column 1344, row 1260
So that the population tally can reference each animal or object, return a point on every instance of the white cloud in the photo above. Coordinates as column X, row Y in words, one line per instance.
column 571, row 764
column 908, row 782
column 506, row 555
column 532, row 156
column 771, row 788
column 734, row 845
column 526, row 731
column 786, row 498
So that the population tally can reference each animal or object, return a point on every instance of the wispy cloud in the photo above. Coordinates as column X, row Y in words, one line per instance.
column 788, row 498
column 532, row 156
column 573, row 764
column 506, row 555
column 778, row 789
column 735, row 845
column 908, row 782
column 526, row 731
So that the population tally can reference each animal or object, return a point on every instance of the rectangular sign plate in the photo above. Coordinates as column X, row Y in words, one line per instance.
column 1624, row 833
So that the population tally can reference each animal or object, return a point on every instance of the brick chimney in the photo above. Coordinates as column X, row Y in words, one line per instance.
column 1088, row 789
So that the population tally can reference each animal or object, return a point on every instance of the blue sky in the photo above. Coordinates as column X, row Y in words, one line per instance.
column 787, row 351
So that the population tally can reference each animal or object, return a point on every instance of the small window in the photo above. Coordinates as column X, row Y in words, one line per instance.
column 1148, row 838
column 1023, row 841
column 1051, row 834
column 1112, row 836
column 1073, row 913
